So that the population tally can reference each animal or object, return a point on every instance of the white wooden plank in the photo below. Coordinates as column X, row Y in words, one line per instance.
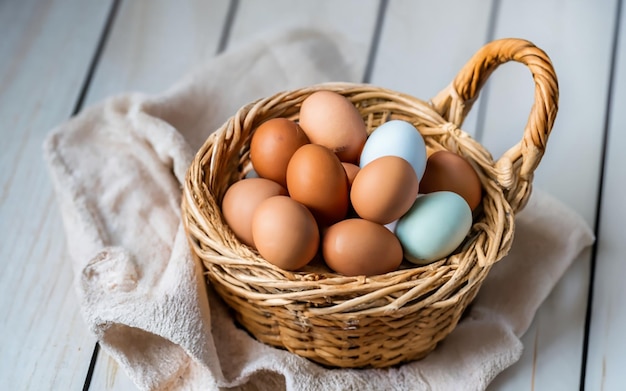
column 607, row 346
column 544, row 335
column 582, row 68
column 46, row 48
column 151, row 46
column 351, row 21
column 420, row 54
column 108, row 375
column 153, row 43
column 577, row 36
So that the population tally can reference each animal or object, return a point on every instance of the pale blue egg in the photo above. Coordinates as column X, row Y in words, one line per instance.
column 396, row 138
column 252, row 174
column 434, row 227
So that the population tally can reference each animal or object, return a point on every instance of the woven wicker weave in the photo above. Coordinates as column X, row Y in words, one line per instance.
column 387, row 319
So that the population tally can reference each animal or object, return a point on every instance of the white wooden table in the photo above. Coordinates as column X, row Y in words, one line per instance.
column 59, row 56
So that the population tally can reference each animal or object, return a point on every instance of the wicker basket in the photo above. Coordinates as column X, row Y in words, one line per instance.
column 387, row 319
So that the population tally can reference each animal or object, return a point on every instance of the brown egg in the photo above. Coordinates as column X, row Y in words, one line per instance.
column 240, row 201
column 448, row 171
column 351, row 171
column 331, row 120
column 384, row 189
column 272, row 145
column 285, row 233
column 356, row 247
column 316, row 178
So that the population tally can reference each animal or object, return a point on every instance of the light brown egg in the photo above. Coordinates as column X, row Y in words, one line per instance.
column 272, row 145
column 351, row 171
column 356, row 247
column 316, row 178
column 384, row 189
column 448, row 171
column 285, row 233
column 331, row 120
column 240, row 201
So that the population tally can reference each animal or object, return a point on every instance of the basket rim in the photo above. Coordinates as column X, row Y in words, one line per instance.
column 237, row 256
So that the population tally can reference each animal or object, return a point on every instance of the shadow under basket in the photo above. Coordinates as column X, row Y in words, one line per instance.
column 384, row 320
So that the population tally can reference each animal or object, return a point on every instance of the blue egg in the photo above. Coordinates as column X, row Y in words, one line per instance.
column 396, row 138
column 434, row 227
column 252, row 174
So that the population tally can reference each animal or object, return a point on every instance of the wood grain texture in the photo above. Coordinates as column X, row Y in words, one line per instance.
column 577, row 36
column 606, row 359
column 45, row 50
column 420, row 55
column 351, row 21
column 583, row 72
column 153, row 43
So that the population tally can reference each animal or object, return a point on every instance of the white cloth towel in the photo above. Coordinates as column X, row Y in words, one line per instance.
column 117, row 168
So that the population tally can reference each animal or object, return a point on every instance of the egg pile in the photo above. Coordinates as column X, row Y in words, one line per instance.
column 323, row 186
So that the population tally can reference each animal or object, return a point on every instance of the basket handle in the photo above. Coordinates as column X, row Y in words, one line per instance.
column 514, row 170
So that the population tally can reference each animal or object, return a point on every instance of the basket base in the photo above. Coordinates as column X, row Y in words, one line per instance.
column 359, row 342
